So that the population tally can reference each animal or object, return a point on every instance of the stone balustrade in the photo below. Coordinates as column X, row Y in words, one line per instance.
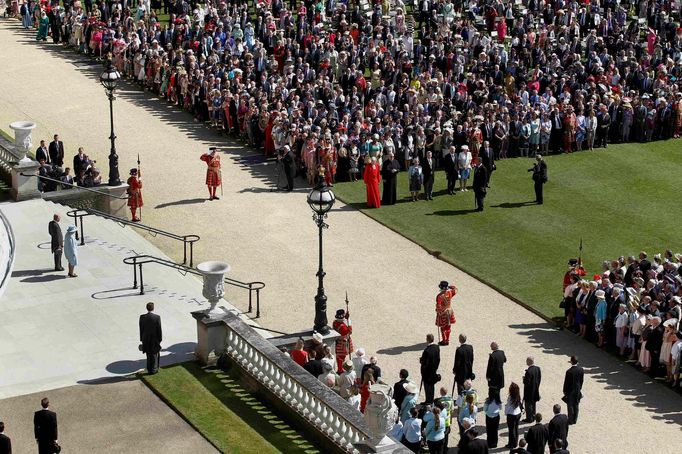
column 317, row 404
column 7, row 252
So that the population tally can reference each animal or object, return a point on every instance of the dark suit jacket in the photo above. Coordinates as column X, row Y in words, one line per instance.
column 537, row 438
column 5, row 444
column 480, row 179
column 56, row 236
column 399, row 392
column 45, row 425
column 464, row 363
column 573, row 382
column 476, row 446
column 430, row 361
column 487, row 159
column 558, row 428
column 495, row 371
column 531, row 384
column 150, row 332
column 56, row 151
column 314, row 367
column 42, row 154
column 450, row 164
column 79, row 164
column 426, row 168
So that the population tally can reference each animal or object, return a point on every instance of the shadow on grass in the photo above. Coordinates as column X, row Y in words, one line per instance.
column 660, row 401
column 451, row 212
column 514, row 204
column 254, row 411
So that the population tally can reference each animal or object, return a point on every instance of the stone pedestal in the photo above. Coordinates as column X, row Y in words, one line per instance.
column 24, row 188
column 211, row 334
column 115, row 207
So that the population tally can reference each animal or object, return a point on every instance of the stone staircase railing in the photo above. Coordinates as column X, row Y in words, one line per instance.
column 343, row 426
column 7, row 252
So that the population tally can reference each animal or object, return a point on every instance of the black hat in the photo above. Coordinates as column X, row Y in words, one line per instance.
column 443, row 285
column 340, row 313
column 133, row 171
column 572, row 262
column 212, row 148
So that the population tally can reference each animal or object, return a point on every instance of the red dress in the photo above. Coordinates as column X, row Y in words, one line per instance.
column 372, row 176
column 269, row 142
column 213, row 171
column 134, row 192
column 300, row 357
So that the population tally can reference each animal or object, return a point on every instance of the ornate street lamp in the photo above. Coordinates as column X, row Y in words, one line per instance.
column 321, row 199
column 109, row 79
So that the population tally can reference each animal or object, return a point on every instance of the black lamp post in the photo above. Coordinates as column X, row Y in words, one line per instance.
column 321, row 199
column 109, row 79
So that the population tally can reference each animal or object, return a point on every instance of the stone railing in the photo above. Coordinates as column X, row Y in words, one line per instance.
column 7, row 252
column 302, row 393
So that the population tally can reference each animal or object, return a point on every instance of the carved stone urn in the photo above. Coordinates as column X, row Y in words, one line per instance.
column 214, row 288
column 380, row 415
column 22, row 137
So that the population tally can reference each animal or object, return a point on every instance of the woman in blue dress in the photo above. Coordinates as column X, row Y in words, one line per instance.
column 534, row 133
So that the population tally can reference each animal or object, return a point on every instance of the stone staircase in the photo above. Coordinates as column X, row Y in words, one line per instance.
column 57, row 331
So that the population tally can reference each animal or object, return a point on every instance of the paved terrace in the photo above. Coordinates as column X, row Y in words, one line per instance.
column 268, row 236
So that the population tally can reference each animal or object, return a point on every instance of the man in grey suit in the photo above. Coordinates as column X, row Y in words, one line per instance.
column 57, row 242
column 150, row 338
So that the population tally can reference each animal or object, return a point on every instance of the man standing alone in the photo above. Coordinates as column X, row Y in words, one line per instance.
column 531, row 388
column 573, row 385
column 57, row 242
column 539, row 176
column 430, row 361
column 464, row 363
column 45, row 428
column 150, row 338
column 495, row 371
column 480, row 185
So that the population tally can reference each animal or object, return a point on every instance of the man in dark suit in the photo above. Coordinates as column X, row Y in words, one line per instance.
column 399, row 391
column 56, row 151
column 450, row 166
column 557, row 132
column 488, row 160
column 80, row 162
column 464, row 363
column 45, row 428
column 56, row 242
column 430, row 360
column 314, row 366
column 495, row 372
column 531, row 388
column 429, row 169
column 289, row 167
column 480, row 185
column 5, row 442
column 539, row 176
column 558, row 429
column 150, row 338
column 573, row 385
column 537, row 436
column 654, row 342
column 475, row 445
column 42, row 153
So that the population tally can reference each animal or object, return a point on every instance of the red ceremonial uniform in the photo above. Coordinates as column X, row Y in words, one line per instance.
column 445, row 316
column 134, row 192
column 344, row 344
column 213, row 170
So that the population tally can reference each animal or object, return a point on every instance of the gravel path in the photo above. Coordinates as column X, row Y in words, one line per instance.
column 267, row 236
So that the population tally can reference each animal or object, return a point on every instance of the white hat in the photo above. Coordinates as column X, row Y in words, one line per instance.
column 317, row 337
column 411, row 388
column 600, row 293
column 360, row 352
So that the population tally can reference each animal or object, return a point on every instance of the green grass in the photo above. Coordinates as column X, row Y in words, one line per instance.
column 229, row 416
column 620, row 201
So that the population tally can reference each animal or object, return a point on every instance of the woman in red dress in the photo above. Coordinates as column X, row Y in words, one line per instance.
column 372, row 176
column 269, row 142
column 367, row 381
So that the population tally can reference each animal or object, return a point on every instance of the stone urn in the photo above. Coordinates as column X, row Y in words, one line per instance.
column 22, row 137
column 214, row 288
column 380, row 415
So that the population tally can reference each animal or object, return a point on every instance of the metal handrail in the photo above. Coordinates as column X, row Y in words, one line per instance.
column 138, row 260
column 76, row 186
column 80, row 213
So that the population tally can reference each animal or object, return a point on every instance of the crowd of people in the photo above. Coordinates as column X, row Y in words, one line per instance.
column 634, row 305
column 341, row 84
column 51, row 158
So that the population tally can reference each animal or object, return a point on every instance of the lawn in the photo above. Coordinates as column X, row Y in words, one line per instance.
column 619, row 201
column 229, row 416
